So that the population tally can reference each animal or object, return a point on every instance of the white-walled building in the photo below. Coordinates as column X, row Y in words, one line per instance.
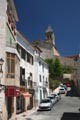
column 35, row 71
column 41, row 76
column 26, row 53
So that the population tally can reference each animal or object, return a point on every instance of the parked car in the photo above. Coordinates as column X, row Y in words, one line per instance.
column 63, row 86
column 53, row 99
column 57, row 95
column 45, row 104
column 62, row 90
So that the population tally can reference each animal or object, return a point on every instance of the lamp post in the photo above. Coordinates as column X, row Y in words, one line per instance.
column 1, row 88
column 1, row 71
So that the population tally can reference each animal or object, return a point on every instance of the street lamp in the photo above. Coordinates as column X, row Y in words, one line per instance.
column 1, row 88
column 1, row 63
column 1, row 71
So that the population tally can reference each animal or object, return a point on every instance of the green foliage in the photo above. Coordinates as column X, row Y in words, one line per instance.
column 51, row 84
column 65, row 81
column 55, row 72
column 55, row 84
column 57, row 69
column 67, row 69
column 50, row 63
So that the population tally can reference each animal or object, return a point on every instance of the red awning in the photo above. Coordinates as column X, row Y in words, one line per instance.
column 12, row 91
column 26, row 94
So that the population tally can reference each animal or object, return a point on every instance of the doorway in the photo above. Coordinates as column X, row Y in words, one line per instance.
column 10, row 109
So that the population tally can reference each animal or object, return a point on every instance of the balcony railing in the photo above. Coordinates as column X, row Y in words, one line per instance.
column 32, row 84
column 45, row 84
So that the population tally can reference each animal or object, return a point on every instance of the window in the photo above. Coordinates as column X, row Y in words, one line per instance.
column 28, row 81
column 11, row 65
column 39, row 63
column 18, row 49
column 29, row 58
column 23, row 53
column 22, row 76
column 46, row 80
column 42, row 67
column 40, row 78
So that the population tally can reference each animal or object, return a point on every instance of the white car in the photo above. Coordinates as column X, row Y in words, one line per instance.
column 53, row 99
column 63, row 86
column 62, row 90
column 45, row 104
column 57, row 95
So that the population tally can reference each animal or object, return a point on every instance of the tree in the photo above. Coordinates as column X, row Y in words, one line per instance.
column 50, row 63
column 57, row 69
column 55, row 72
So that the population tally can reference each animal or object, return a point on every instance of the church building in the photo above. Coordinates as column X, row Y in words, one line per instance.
column 47, row 46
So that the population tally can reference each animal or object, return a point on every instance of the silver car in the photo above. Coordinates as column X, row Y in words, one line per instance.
column 45, row 104
column 53, row 99
column 62, row 91
column 57, row 95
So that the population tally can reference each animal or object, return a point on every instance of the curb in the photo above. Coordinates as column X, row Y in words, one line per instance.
column 24, row 115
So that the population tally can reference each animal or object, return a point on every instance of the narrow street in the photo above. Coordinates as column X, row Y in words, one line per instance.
column 65, row 105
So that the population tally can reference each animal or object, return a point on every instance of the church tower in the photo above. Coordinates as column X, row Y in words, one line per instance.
column 50, row 38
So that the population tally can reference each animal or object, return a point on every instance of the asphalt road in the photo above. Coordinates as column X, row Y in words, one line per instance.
column 65, row 105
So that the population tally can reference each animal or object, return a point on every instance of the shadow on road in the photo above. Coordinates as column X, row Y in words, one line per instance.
column 29, row 119
column 71, row 116
column 73, row 92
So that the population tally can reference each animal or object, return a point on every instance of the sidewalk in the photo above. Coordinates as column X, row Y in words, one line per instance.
column 24, row 115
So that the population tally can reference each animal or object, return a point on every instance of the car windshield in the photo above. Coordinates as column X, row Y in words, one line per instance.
column 50, row 97
column 62, row 89
column 45, row 101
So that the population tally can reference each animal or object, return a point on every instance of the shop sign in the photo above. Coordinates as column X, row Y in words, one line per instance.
column 12, row 91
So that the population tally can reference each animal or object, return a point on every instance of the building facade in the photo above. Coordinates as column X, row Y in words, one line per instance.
column 42, row 79
column 18, row 83
column 8, row 52
column 35, row 75
column 26, row 54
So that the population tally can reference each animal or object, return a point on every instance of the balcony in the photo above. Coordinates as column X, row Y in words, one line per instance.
column 30, row 87
column 45, row 83
column 31, row 84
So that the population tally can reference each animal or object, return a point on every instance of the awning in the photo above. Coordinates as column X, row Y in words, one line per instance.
column 12, row 91
column 26, row 94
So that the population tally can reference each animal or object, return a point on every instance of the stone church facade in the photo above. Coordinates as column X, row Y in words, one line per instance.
column 47, row 46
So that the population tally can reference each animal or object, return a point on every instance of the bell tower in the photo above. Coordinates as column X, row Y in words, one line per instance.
column 50, row 38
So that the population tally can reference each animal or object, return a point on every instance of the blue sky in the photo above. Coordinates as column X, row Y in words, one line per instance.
column 63, row 16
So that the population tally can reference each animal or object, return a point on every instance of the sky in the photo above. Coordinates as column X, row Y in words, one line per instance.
column 62, row 15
